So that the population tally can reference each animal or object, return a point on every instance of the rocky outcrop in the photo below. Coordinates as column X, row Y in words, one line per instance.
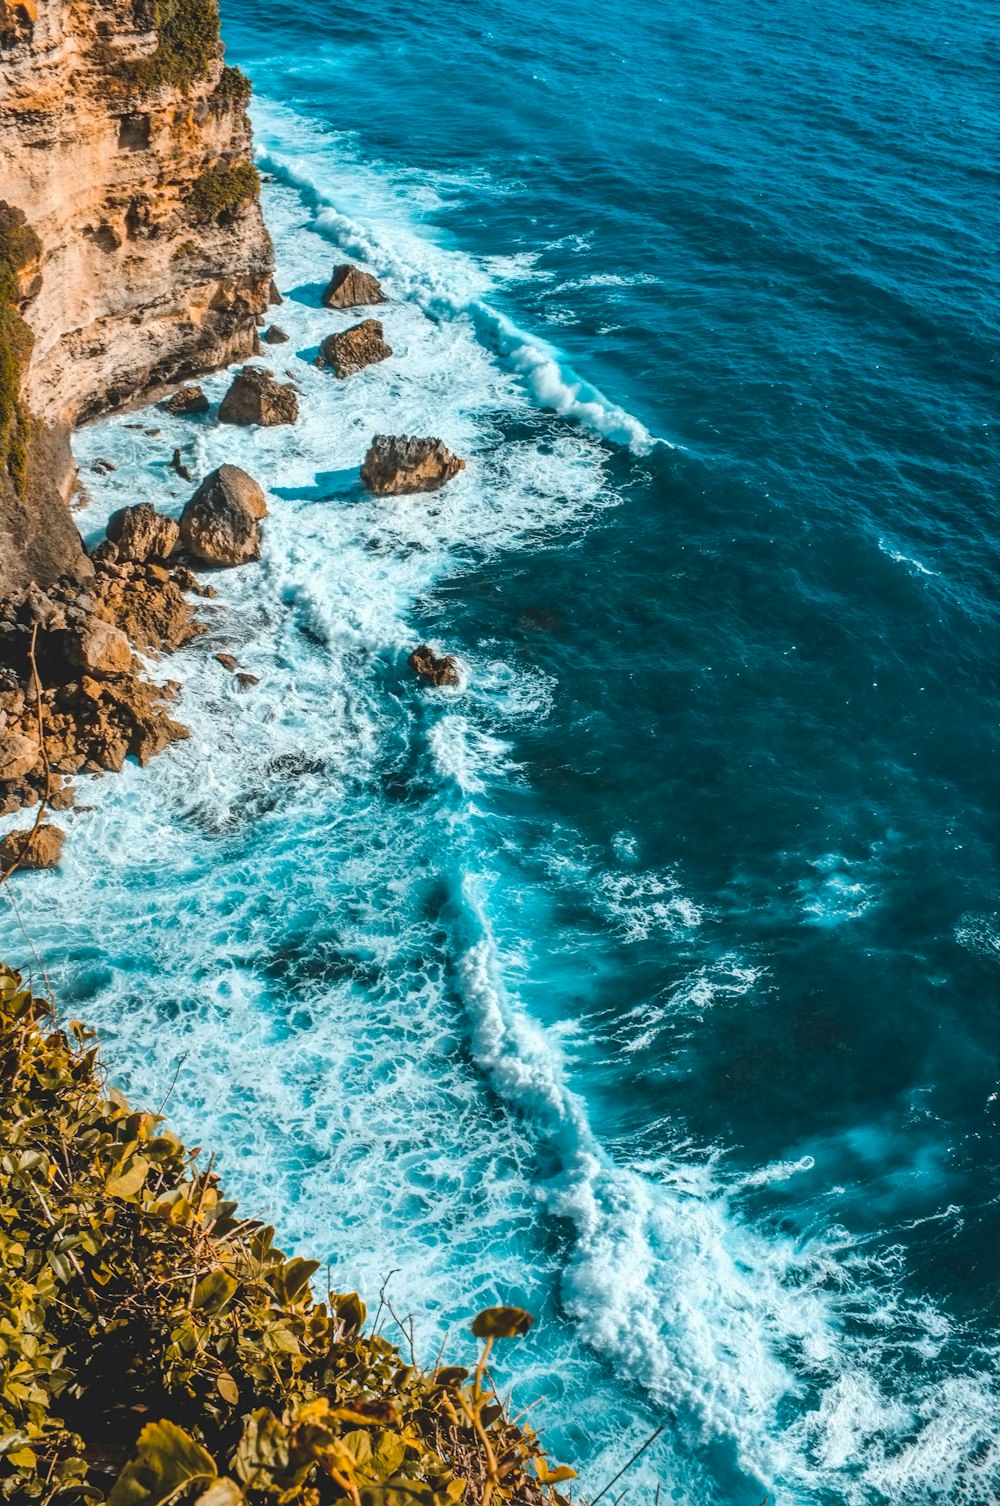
column 398, row 464
column 186, row 401
column 350, row 288
column 274, row 335
column 435, row 669
column 353, row 349
column 27, row 849
column 141, row 533
column 256, row 398
column 220, row 522
column 125, row 141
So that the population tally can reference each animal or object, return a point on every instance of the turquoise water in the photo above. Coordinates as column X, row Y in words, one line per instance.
column 650, row 978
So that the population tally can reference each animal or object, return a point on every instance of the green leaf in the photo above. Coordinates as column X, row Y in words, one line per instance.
column 128, row 1184
column 168, row 1459
column 264, row 1445
column 502, row 1323
column 221, row 1492
column 214, row 1291
column 227, row 1388
column 553, row 1476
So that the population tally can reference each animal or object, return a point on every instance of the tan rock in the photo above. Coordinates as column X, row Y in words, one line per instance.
column 256, row 398
column 351, row 288
column 18, row 755
column 141, row 533
column 353, row 349
column 101, row 649
column 398, row 464
column 435, row 669
column 220, row 522
column 43, row 850
column 186, row 401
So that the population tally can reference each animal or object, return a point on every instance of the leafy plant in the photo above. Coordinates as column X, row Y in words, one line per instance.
column 220, row 190
column 187, row 43
column 156, row 1348
column 19, row 246
column 234, row 88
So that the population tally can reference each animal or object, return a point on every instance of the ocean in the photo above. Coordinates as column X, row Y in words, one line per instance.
column 649, row 978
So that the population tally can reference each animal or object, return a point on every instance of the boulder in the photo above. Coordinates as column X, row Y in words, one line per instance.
column 274, row 336
column 101, row 649
column 396, row 464
column 256, row 398
column 219, row 523
column 353, row 349
column 350, row 288
column 187, row 400
column 435, row 669
column 228, row 661
column 18, row 755
column 43, row 850
column 141, row 533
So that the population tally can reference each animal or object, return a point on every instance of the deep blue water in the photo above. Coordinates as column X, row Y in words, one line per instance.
column 650, row 980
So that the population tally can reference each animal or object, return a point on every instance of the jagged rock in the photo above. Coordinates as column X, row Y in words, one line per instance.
column 101, row 649
column 274, row 336
column 245, row 681
column 141, row 533
column 256, row 398
column 43, row 850
column 220, row 522
column 228, row 661
column 353, row 349
column 351, row 288
column 18, row 755
column 273, row 296
column 177, row 464
column 435, row 669
column 398, row 464
column 185, row 401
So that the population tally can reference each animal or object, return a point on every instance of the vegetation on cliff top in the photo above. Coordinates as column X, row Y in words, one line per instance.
column 156, row 1348
column 220, row 190
column 187, row 42
column 19, row 246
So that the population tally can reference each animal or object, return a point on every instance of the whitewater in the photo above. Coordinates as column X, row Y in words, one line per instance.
column 314, row 935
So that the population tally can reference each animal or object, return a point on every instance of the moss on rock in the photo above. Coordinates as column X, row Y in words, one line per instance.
column 19, row 247
column 222, row 189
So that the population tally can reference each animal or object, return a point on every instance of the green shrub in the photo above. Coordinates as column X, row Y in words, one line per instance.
column 155, row 1347
column 220, row 190
column 234, row 88
column 19, row 245
column 187, row 42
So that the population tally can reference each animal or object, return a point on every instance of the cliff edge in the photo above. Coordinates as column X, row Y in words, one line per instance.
column 132, row 247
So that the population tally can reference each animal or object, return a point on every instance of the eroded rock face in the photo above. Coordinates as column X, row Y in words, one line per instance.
column 220, row 522
column 353, row 349
column 350, row 288
column 256, row 398
column 43, row 850
column 435, row 669
column 101, row 649
column 186, row 400
column 141, row 533
column 399, row 464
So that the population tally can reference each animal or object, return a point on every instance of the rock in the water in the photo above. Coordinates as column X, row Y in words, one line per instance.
column 141, row 533
column 256, row 398
column 353, row 349
column 396, row 464
column 274, row 336
column 187, row 400
column 18, row 755
column 350, row 288
column 100, row 649
column 43, row 850
column 436, row 669
column 219, row 523
column 228, row 661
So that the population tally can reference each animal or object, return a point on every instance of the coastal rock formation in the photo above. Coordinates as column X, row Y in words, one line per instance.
column 185, row 401
column 398, row 464
column 220, row 522
column 274, row 335
column 141, row 533
column 435, row 669
column 95, row 706
column 350, row 288
column 41, row 849
column 125, row 141
column 353, row 349
column 256, row 398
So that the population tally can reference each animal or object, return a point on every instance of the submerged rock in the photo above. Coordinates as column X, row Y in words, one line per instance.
column 274, row 336
column 187, row 400
column 256, row 398
column 43, row 850
column 141, row 533
column 353, row 349
column 220, row 522
column 435, row 669
column 397, row 464
column 350, row 288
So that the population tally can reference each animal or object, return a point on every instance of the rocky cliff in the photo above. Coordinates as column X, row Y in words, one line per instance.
column 142, row 256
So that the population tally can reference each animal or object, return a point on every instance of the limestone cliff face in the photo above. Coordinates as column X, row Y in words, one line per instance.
column 125, row 142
